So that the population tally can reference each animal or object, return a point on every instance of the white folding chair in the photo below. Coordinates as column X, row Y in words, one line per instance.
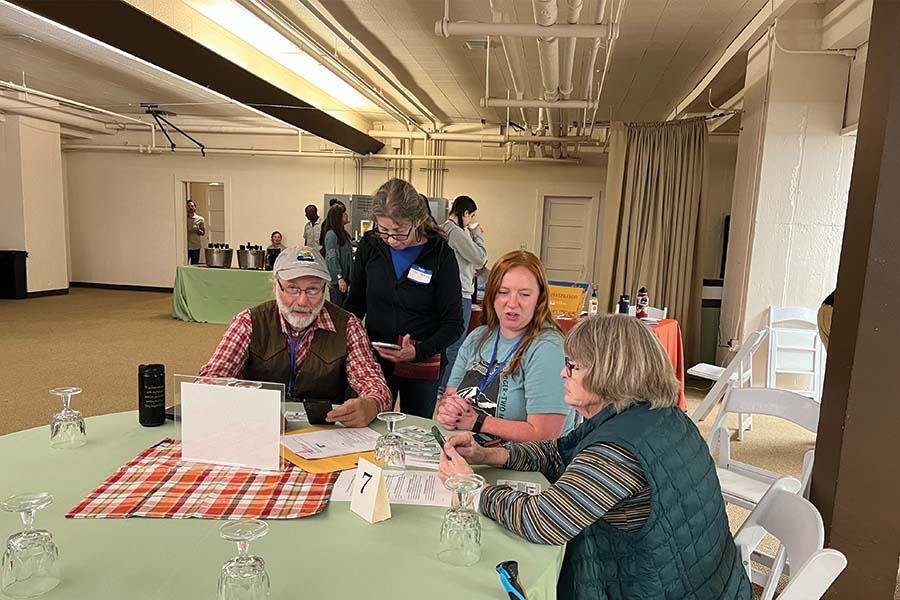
column 795, row 349
column 744, row 484
column 797, row 525
column 738, row 373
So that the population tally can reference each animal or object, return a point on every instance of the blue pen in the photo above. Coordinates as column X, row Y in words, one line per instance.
column 509, row 577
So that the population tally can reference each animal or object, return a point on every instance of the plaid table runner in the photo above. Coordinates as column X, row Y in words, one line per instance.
column 155, row 484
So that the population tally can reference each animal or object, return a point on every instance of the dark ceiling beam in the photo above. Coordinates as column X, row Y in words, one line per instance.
column 124, row 27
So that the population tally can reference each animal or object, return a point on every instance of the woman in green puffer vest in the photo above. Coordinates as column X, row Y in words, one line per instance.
column 634, row 492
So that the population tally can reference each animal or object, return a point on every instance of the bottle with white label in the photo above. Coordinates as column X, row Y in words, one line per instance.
column 594, row 307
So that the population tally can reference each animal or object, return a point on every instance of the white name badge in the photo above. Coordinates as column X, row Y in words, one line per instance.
column 369, row 497
column 419, row 275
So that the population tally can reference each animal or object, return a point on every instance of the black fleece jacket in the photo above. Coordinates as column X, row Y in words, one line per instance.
column 430, row 313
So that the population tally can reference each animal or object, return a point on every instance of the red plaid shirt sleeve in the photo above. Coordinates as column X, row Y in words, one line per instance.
column 363, row 371
column 231, row 353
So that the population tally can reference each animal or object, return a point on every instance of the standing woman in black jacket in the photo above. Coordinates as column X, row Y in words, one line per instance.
column 406, row 285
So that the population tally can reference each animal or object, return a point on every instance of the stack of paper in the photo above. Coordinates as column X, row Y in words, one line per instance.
column 420, row 447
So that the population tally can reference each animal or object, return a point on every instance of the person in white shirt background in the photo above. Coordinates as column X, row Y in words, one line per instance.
column 312, row 231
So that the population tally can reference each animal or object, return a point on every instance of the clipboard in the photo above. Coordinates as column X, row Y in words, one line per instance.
column 332, row 464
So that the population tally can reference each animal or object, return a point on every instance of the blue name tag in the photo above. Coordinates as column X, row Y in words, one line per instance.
column 419, row 275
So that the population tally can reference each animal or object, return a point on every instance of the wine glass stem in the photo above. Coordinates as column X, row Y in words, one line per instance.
column 243, row 548
column 28, row 519
column 66, row 400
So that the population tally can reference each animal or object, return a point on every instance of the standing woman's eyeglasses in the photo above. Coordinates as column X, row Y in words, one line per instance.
column 397, row 236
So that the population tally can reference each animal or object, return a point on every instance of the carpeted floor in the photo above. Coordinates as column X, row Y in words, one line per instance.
column 95, row 340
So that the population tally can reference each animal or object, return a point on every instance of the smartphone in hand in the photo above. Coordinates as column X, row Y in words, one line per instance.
column 386, row 345
column 438, row 436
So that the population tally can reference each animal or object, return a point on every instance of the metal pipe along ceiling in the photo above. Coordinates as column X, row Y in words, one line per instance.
column 54, row 115
column 513, row 58
column 573, row 13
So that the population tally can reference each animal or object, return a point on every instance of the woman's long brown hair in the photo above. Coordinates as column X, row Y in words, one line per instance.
column 542, row 318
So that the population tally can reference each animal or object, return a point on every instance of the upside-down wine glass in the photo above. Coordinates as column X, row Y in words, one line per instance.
column 67, row 426
column 244, row 577
column 389, row 453
column 30, row 564
column 461, row 530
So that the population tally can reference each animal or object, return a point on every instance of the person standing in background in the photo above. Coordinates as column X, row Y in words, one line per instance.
column 312, row 231
column 406, row 285
column 276, row 241
column 338, row 252
column 471, row 255
column 196, row 228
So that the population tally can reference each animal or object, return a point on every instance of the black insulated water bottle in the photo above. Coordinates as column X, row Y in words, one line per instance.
column 151, row 395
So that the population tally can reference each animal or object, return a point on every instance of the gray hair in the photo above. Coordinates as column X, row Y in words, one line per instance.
column 399, row 201
column 624, row 362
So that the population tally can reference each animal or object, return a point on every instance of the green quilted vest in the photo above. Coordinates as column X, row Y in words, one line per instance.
column 321, row 376
column 685, row 550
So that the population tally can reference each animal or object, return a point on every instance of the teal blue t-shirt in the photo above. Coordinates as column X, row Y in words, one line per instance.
column 536, row 388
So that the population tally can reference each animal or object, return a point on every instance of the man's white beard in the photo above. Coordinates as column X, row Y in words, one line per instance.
column 299, row 321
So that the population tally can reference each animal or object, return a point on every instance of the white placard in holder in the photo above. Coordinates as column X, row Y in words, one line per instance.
column 369, row 498
column 231, row 422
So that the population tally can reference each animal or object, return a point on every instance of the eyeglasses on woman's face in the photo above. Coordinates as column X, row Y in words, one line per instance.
column 570, row 366
column 386, row 235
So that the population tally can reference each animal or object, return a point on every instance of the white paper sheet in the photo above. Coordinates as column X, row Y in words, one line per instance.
column 331, row 442
column 419, row 488
column 230, row 425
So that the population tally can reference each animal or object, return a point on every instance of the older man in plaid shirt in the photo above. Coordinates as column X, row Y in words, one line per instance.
column 318, row 350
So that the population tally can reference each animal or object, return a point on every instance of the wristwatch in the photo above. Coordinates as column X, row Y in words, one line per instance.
column 479, row 421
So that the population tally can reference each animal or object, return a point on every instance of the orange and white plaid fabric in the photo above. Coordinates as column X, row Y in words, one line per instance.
column 157, row 484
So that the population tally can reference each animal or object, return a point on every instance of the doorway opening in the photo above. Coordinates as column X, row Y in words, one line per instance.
column 209, row 198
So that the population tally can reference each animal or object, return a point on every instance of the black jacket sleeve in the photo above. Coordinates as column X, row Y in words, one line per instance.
column 356, row 299
column 448, row 304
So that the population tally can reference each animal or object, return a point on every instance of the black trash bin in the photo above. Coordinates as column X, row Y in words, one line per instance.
column 13, row 283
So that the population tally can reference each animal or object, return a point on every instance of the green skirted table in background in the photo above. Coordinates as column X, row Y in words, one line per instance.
column 208, row 295
column 332, row 555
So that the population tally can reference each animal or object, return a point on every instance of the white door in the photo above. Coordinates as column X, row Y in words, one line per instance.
column 567, row 239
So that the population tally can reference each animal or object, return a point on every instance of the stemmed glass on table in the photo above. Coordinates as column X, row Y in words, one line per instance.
column 389, row 453
column 67, row 426
column 30, row 564
column 461, row 531
column 244, row 577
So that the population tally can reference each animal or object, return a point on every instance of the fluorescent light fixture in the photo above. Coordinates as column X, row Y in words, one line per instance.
column 241, row 22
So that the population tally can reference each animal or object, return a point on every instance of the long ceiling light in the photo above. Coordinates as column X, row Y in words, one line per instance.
column 241, row 22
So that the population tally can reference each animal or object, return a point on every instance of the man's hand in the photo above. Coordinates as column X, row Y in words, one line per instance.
column 355, row 412
column 342, row 285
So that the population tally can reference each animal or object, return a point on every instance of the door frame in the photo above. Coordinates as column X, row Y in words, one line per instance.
column 179, row 181
column 579, row 190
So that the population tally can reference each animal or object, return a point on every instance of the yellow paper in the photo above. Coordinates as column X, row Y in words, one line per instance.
column 324, row 465
column 566, row 301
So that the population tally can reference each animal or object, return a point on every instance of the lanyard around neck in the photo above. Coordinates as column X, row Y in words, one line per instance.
column 494, row 367
column 295, row 345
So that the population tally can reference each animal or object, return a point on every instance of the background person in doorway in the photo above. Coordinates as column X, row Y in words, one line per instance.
column 196, row 228
column 406, row 284
column 338, row 252
column 312, row 231
column 505, row 381
column 468, row 244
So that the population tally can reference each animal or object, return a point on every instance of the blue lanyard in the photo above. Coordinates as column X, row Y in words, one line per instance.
column 494, row 368
column 294, row 347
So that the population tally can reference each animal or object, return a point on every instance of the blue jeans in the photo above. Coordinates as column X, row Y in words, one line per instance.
column 453, row 349
column 417, row 396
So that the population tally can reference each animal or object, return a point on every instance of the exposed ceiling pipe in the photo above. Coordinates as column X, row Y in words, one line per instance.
column 545, row 15
column 275, row 19
column 446, row 28
column 597, row 43
column 222, row 129
column 25, row 108
column 573, row 13
column 499, row 138
column 499, row 14
column 387, row 77
column 613, row 36
column 528, row 103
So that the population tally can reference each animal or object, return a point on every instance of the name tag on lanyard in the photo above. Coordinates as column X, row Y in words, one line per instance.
column 419, row 275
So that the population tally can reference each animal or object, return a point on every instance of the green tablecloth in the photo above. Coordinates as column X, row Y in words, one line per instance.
column 332, row 555
column 208, row 295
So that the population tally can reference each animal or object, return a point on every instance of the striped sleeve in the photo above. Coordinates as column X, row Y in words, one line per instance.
column 603, row 478
column 540, row 455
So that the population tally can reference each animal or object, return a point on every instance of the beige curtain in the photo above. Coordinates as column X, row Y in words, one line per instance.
column 662, row 167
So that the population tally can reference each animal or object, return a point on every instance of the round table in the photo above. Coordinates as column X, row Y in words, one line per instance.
column 334, row 554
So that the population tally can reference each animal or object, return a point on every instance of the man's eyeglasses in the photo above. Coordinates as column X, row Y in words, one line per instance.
column 312, row 292
column 570, row 366
column 397, row 236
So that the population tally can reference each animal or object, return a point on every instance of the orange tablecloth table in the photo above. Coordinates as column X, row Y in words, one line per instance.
column 669, row 334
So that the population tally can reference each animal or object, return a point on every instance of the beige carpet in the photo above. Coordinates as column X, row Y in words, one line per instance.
column 95, row 339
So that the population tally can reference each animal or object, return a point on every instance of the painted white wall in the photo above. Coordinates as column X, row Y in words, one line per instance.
column 32, row 200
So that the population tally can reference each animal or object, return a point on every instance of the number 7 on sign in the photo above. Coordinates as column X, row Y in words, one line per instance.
column 370, row 501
